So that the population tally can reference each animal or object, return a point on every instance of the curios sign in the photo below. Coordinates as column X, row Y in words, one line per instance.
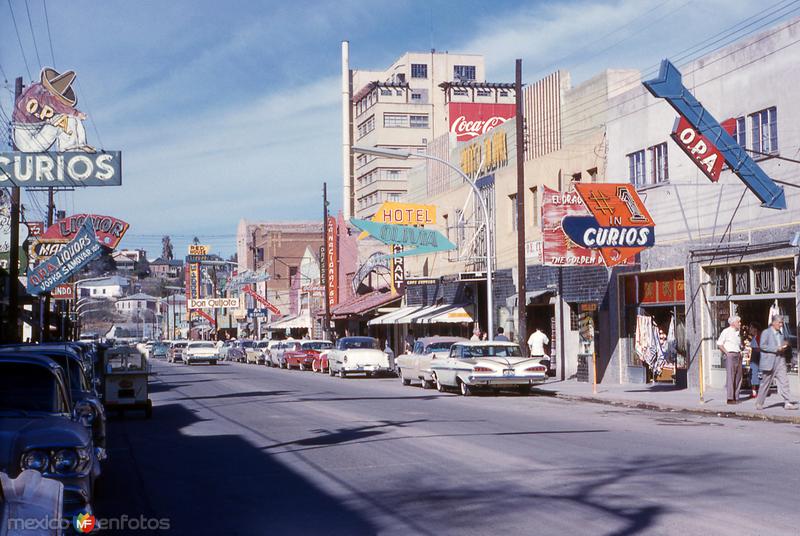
column 619, row 226
column 469, row 120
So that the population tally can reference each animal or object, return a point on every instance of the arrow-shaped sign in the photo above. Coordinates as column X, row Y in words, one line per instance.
column 669, row 86
column 262, row 300
column 421, row 240
column 205, row 315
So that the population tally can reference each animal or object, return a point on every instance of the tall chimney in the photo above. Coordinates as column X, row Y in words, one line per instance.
column 347, row 163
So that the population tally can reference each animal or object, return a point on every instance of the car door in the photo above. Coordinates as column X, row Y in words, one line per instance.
column 335, row 357
column 445, row 370
column 418, row 360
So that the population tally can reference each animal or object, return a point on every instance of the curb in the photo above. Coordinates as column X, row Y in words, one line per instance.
column 634, row 404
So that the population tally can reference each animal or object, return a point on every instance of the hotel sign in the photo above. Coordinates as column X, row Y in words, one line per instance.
column 415, row 240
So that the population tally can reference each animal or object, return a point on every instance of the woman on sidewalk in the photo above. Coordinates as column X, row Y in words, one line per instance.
column 755, row 358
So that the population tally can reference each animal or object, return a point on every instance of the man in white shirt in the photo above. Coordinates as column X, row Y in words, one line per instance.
column 730, row 344
column 537, row 342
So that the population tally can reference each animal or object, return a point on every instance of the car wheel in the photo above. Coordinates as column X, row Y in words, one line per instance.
column 426, row 384
column 342, row 373
column 466, row 390
column 302, row 367
column 402, row 379
column 439, row 387
column 213, row 361
column 524, row 389
column 330, row 371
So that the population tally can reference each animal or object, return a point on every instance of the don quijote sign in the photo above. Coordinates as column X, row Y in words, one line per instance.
column 469, row 120
column 50, row 140
column 214, row 303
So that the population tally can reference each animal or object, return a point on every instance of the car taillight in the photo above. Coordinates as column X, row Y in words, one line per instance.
column 536, row 369
column 482, row 369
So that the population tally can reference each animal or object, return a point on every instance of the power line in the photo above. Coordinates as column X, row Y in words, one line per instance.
column 33, row 34
column 19, row 40
column 49, row 35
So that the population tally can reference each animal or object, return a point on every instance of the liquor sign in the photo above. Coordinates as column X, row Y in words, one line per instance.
column 64, row 291
column 108, row 229
column 213, row 303
column 557, row 248
column 699, row 148
column 332, row 270
column 55, row 270
column 421, row 240
column 669, row 86
column 619, row 225
column 262, row 300
column 403, row 214
column 197, row 249
column 469, row 120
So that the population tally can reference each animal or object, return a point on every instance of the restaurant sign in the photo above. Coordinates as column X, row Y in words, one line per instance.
column 619, row 225
column 55, row 270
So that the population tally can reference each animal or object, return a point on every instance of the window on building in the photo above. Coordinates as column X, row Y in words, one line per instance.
column 592, row 174
column 418, row 121
column 395, row 120
column 393, row 196
column 484, row 92
column 419, row 96
column 464, row 72
column 740, row 133
column 366, row 127
column 764, row 131
column 513, row 199
column 393, row 174
column 386, row 92
column 503, row 93
column 419, row 70
column 535, row 206
column 460, row 92
column 636, row 168
column 659, row 166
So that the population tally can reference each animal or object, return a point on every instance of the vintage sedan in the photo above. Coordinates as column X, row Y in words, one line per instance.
column 358, row 355
column 490, row 365
column 176, row 350
column 39, row 430
column 416, row 365
column 159, row 350
column 252, row 353
column 303, row 358
column 286, row 347
column 320, row 363
column 201, row 352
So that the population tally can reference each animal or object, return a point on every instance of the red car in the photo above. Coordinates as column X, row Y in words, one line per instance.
column 320, row 363
column 302, row 355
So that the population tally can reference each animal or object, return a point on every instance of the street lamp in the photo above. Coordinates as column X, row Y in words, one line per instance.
column 405, row 155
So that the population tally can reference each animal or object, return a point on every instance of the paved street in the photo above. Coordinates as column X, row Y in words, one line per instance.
column 240, row 449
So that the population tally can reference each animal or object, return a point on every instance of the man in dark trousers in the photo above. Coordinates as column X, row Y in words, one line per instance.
column 773, row 364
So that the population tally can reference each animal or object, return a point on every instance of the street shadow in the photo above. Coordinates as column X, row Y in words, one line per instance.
column 172, row 468
column 622, row 498
column 245, row 394
column 657, row 388
column 345, row 435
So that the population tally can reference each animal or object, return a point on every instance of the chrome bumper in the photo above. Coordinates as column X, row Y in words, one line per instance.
column 504, row 380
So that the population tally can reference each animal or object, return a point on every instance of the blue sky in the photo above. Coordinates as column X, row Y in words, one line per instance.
column 230, row 113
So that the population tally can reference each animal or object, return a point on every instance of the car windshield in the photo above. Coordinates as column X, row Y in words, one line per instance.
column 263, row 344
column 359, row 342
column 317, row 345
column 203, row 345
column 179, row 345
column 72, row 369
column 492, row 351
column 248, row 344
column 441, row 346
column 27, row 387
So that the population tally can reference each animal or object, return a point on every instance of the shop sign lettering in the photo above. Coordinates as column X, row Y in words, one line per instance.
column 764, row 279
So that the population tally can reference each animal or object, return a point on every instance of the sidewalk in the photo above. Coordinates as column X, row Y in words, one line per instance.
column 666, row 397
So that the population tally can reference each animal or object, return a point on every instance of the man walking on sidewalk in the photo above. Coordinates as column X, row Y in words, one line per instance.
column 773, row 364
column 730, row 344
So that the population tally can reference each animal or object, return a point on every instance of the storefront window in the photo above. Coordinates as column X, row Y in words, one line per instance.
column 741, row 281
column 764, row 279
column 786, row 277
column 719, row 281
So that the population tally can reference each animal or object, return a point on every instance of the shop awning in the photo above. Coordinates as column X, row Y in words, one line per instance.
column 395, row 316
column 363, row 303
column 511, row 301
column 456, row 314
column 292, row 322
column 423, row 315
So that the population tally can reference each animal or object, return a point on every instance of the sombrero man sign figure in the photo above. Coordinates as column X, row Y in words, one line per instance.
column 45, row 116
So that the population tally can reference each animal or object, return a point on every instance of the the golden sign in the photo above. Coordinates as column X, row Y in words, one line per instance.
column 493, row 151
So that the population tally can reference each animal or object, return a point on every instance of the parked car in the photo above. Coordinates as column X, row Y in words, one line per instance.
column 287, row 347
column 225, row 349
column 200, row 352
column 176, row 351
column 416, row 365
column 353, row 355
column 252, row 353
column 270, row 350
column 40, row 431
column 159, row 350
column 491, row 365
column 83, row 393
column 303, row 357
column 263, row 347
column 276, row 352
column 320, row 363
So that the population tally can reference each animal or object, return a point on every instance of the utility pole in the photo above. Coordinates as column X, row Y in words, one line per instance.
column 522, row 317
column 254, row 334
column 327, row 327
column 13, row 262
column 45, row 325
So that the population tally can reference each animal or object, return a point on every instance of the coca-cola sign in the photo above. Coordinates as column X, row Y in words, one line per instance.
column 469, row 120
